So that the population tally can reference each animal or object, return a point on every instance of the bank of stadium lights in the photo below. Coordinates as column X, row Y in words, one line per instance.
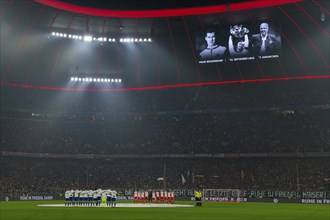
column 97, row 80
column 89, row 38
column 134, row 40
column 86, row 38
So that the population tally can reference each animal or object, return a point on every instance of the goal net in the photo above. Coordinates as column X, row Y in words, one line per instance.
column 223, row 195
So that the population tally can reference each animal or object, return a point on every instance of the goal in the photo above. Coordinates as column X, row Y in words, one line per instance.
column 223, row 195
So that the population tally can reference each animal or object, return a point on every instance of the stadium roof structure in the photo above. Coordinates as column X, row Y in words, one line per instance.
column 151, row 8
column 31, row 58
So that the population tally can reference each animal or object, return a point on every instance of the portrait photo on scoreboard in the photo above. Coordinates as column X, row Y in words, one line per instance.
column 238, row 42
column 211, row 45
column 265, row 40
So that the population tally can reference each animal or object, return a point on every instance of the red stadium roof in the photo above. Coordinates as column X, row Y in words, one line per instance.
column 163, row 12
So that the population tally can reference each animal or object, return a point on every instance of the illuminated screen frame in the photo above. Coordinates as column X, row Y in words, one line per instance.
column 239, row 42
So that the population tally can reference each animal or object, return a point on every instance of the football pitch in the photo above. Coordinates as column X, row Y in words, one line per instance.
column 26, row 210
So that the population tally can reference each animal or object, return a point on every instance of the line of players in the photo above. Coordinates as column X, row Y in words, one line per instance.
column 154, row 197
column 97, row 197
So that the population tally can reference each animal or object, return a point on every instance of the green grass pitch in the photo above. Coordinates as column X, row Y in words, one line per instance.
column 26, row 210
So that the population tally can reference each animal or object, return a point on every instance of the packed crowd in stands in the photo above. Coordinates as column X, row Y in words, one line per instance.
column 63, row 122
column 25, row 176
column 272, row 94
column 201, row 133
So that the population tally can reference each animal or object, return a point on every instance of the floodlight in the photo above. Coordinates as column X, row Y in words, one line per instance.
column 88, row 38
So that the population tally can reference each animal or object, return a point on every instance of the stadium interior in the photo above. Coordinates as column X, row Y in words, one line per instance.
column 102, row 94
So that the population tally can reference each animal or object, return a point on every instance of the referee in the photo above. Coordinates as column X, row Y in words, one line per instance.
column 198, row 198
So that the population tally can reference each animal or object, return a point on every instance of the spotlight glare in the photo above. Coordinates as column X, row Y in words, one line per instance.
column 53, row 33
column 112, row 80
column 80, row 37
column 149, row 39
column 88, row 38
column 113, row 40
column 140, row 40
column 119, row 80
